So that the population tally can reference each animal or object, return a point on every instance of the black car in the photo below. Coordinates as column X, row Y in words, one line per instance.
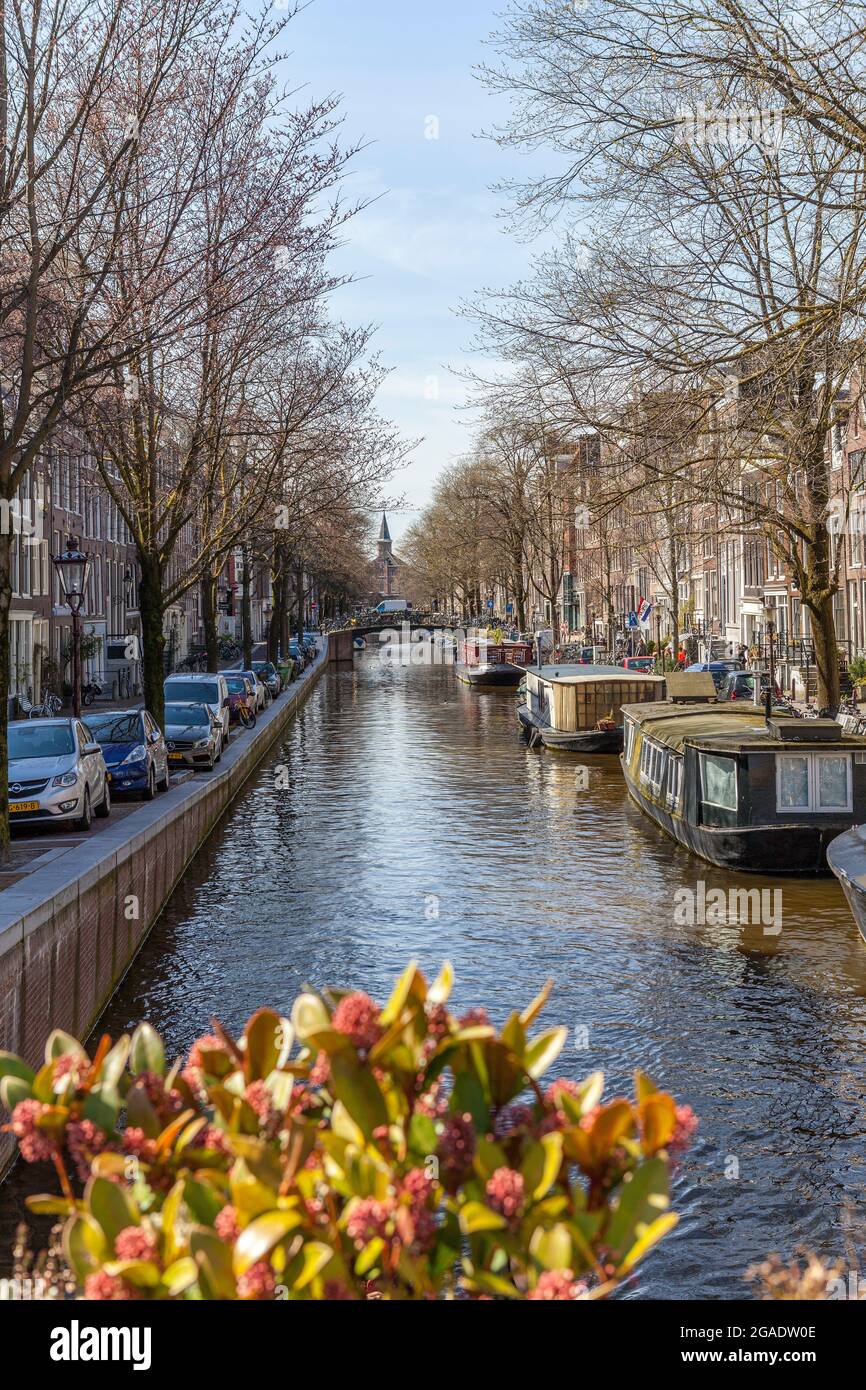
column 269, row 674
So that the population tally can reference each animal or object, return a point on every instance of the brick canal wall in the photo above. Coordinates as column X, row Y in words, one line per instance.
column 68, row 932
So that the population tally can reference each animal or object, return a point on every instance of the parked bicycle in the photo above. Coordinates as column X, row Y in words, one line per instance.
column 49, row 707
column 90, row 690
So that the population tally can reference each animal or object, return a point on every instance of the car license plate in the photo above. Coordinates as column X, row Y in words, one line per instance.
column 175, row 757
column 24, row 806
column 108, row 776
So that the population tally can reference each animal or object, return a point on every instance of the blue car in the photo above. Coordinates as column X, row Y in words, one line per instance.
column 133, row 748
column 717, row 669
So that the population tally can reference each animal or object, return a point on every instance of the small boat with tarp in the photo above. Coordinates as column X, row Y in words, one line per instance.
column 492, row 660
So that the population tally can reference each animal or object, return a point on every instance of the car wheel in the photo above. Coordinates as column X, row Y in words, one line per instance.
column 150, row 790
column 165, row 783
column 85, row 820
column 104, row 807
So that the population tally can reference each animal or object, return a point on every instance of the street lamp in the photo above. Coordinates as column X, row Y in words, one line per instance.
column 769, row 618
column 73, row 567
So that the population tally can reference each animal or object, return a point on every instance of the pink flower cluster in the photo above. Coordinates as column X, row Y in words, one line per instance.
column 136, row 1243
column 108, row 1288
column 368, row 1219
column 258, row 1282
column 456, row 1148
column 505, row 1192
column 84, row 1140
column 687, row 1123
column 35, row 1145
column 357, row 1016
column 72, row 1065
column 556, row 1285
column 260, row 1100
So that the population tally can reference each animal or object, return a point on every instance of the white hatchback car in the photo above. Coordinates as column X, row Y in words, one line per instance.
column 56, row 773
column 200, row 688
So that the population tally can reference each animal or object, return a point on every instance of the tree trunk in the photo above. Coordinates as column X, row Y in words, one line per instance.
column 826, row 652
column 152, row 606
column 5, row 604
column 247, row 611
column 209, row 621
column 300, row 600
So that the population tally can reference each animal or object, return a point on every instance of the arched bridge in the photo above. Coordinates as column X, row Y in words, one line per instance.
column 341, row 642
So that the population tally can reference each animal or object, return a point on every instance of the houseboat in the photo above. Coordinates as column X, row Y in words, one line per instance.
column 578, row 709
column 847, row 858
column 481, row 661
column 744, row 789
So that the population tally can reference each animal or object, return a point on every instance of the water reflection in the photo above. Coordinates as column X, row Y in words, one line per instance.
column 417, row 824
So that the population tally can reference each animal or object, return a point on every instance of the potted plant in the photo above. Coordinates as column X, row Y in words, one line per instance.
column 857, row 672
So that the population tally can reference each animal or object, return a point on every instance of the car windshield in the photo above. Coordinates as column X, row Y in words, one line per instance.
column 206, row 691
column 236, row 685
column 265, row 668
column 36, row 740
column 187, row 714
column 115, row 728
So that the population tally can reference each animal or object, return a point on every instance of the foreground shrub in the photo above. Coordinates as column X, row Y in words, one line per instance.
column 348, row 1152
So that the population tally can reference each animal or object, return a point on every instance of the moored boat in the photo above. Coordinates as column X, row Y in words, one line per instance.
column 743, row 790
column 481, row 661
column 575, row 708
column 847, row 858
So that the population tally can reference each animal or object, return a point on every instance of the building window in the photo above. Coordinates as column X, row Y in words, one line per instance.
column 719, row 781
column 813, row 782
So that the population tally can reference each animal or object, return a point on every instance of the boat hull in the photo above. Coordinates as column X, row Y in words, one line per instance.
column 489, row 675
column 846, row 857
column 756, row 849
column 579, row 741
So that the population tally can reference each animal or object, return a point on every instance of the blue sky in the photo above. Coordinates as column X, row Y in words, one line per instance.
column 435, row 235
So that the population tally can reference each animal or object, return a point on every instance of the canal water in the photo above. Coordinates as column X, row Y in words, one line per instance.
column 417, row 824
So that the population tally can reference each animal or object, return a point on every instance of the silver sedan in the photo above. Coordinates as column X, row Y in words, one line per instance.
column 57, row 773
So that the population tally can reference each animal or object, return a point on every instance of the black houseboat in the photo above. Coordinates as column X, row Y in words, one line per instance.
column 741, row 790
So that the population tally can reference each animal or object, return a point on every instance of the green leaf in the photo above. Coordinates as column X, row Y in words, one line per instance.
column 643, row 1087
column 441, row 987
column 475, row 1217
column 14, row 1089
column 146, row 1052
column 649, row 1236
column 204, row 1202
column 422, row 1139
column 309, row 1015
column 144, row 1274
column 358, row 1089
column 111, row 1207
column 114, row 1063
column 410, row 982
column 514, row 1035
column 10, row 1065
column 263, row 1033
column 488, row 1157
column 552, row 1249
column 180, row 1276
column 102, row 1106
column 482, row 1281
column 640, row 1201
column 140, row 1112
column 552, row 1146
column 314, row 1258
column 214, row 1260
column 260, row 1237
column 59, row 1043
column 468, row 1098
column 48, row 1206
column 544, row 1050
column 85, row 1246
column 368, row 1256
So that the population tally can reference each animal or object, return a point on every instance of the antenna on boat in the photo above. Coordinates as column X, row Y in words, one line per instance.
column 768, row 705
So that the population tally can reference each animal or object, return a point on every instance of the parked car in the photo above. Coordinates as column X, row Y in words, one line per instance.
column 298, row 655
column 717, row 669
column 639, row 663
column 242, row 698
column 741, row 685
column 193, row 735
column 133, row 748
column 209, row 689
column 268, row 671
column 260, row 686
column 57, row 773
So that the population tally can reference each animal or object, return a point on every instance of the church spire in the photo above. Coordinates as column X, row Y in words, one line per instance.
column 384, row 533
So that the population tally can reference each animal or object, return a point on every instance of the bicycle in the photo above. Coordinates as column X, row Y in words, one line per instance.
column 49, row 707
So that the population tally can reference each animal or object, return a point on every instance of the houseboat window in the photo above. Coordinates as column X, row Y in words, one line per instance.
column 652, row 764
column 675, row 781
column 628, row 736
column 813, row 782
column 719, row 781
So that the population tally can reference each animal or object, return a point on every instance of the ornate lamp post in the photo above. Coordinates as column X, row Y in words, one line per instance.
column 73, row 567
column 769, row 619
